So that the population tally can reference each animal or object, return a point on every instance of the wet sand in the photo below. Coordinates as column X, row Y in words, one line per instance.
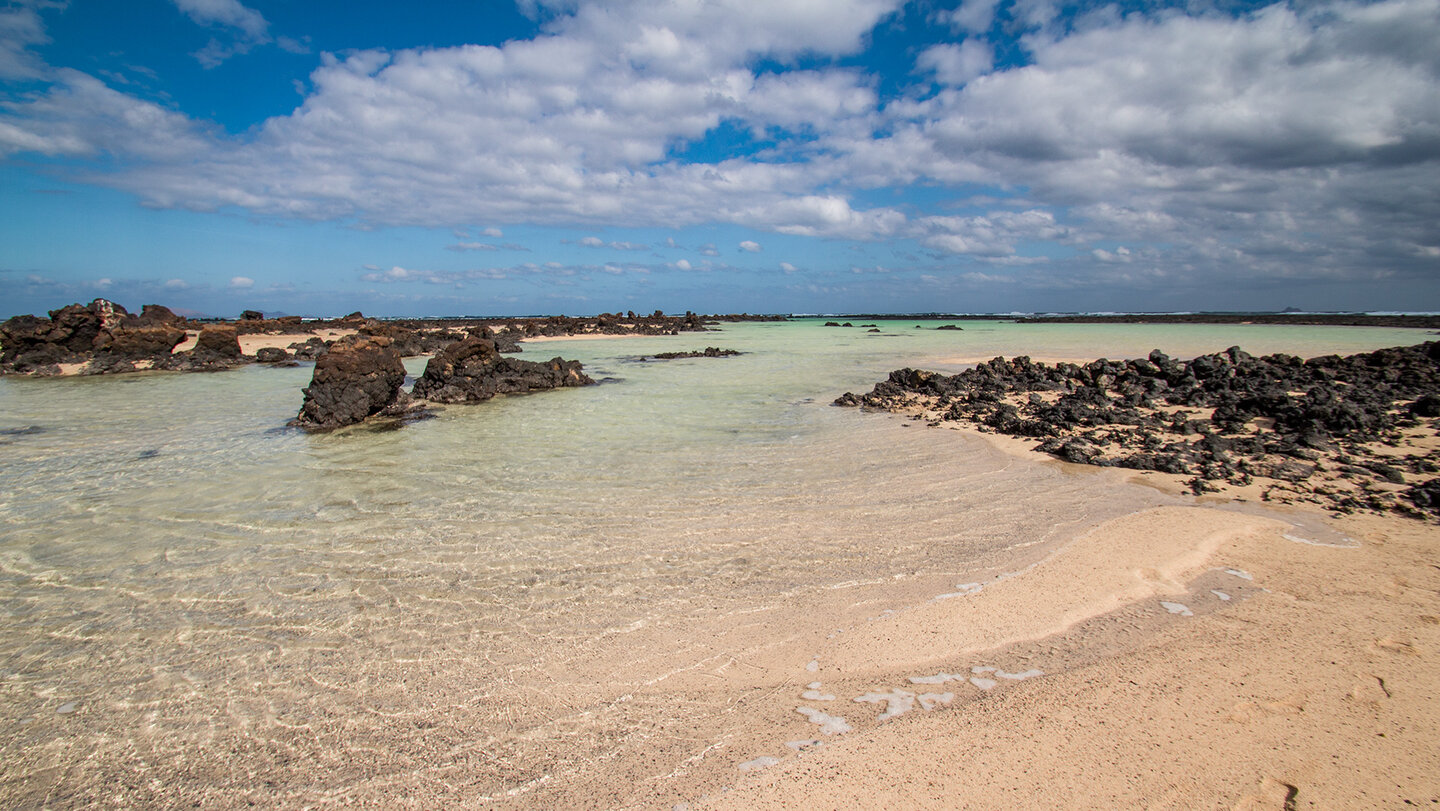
column 1317, row 690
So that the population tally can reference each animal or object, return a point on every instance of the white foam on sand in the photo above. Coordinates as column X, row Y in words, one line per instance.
column 897, row 702
column 929, row 701
column 983, row 684
column 938, row 678
column 814, row 694
column 758, row 763
column 1222, row 595
column 1240, row 573
column 1177, row 608
column 829, row 724
column 962, row 590
column 1001, row 674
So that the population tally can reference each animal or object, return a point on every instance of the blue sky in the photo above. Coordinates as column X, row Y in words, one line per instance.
column 453, row 157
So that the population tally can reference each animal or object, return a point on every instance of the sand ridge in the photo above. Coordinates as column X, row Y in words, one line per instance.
column 1316, row 692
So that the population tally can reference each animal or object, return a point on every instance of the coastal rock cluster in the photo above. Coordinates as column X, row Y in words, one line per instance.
column 362, row 377
column 106, row 338
column 1349, row 433
column 473, row 370
column 707, row 352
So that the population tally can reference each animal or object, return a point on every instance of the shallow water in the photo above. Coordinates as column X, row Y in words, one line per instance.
column 192, row 595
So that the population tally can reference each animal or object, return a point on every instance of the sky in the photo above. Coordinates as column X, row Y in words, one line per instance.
column 466, row 157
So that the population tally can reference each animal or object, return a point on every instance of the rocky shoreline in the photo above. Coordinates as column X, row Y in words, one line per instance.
column 102, row 337
column 1355, row 433
column 359, row 373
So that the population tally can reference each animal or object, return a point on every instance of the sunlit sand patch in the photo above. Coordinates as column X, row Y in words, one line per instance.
column 829, row 724
column 805, row 744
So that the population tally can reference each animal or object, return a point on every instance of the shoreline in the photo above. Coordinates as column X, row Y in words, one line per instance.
column 1295, row 696
column 1054, row 671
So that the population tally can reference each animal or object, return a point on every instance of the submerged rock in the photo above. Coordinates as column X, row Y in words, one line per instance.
column 473, row 370
column 359, row 378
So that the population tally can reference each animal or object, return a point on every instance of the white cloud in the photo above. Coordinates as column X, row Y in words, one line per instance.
column 227, row 13
column 493, row 232
column 461, row 247
column 1293, row 139
column 592, row 242
column 177, row 284
column 682, row 264
column 20, row 27
column 241, row 282
column 957, row 64
column 750, row 247
column 787, row 267
column 974, row 16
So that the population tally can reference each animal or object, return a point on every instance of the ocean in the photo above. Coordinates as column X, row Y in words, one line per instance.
column 513, row 602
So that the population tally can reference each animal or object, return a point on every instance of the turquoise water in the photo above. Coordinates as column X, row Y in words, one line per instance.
column 209, row 595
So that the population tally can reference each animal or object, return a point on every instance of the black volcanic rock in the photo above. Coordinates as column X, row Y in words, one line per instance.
column 472, row 370
column 101, row 333
column 707, row 352
column 1225, row 416
column 359, row 378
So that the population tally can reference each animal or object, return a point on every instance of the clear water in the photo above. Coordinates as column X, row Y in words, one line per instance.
column 192, row 595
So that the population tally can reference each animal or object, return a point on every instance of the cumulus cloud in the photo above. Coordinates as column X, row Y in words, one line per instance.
column 750, row 247
column 957, row 64
column 787, row 267
column 241, row 282
column 1298, row 138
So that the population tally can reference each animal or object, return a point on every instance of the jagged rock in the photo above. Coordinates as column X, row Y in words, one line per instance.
column 137, row 343
column 154, row 315
column 216, row 349
column 1276, row 416
column 252, row 315
column 707, row 352
column 309, row 349
column 359, row 378
column 472, row 370
column 271, row 354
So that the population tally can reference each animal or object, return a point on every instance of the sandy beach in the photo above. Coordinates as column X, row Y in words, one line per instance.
column 1316, row 690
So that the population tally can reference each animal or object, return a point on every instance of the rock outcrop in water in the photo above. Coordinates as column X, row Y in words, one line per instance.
column 473, row 370
column 102, row 334
column 359, row 378
column 1345, row 432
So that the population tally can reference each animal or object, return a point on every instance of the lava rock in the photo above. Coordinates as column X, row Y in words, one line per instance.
column 359, row 378
column 473, row 370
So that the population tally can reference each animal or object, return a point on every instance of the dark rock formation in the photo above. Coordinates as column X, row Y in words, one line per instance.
column 707, row 352
column 309, row 349
column 359, row 378
column 472, row 370
column 102, row 334
column 271, row 354
column 1226, row 417
column 252, row 315
column 216, row 349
